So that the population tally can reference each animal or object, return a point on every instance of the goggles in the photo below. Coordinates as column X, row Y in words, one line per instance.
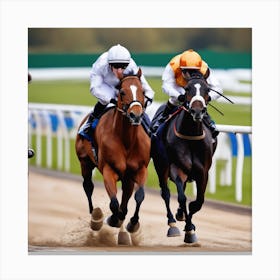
column 119, row 65
column 189, row 71
column 184, row 70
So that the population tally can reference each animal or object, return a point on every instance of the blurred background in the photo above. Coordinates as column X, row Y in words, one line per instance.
column 159, row 40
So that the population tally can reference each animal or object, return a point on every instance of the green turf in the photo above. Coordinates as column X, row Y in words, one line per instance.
column 77, row 93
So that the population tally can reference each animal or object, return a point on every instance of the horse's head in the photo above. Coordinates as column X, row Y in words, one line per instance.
column 131, row 98
column 196, row 96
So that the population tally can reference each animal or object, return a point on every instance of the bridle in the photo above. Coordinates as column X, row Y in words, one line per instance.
column 187, row 106
column 124, row 107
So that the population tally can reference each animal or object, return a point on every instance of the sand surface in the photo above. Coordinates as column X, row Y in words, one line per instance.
column 59, row 223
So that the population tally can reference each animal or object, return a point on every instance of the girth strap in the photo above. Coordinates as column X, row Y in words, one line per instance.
column 188, row 137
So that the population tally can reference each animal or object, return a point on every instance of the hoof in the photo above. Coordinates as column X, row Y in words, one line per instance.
column 114, row 222
column 96, row 221
column 173, row 231
column 123, row 238
column 132, row 228
column 190, row 237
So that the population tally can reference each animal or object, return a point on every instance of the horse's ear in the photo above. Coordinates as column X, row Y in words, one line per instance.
column 206, row 75
column 139, row 73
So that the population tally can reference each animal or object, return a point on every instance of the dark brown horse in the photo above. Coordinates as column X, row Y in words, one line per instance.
column 123, row 154
column 182, row 150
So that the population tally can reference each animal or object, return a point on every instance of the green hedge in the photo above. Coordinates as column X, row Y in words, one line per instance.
column 222, row 60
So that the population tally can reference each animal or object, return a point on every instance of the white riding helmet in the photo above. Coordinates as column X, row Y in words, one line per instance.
column 118, row 54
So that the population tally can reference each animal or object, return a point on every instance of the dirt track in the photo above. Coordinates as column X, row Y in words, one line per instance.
column 59, row 223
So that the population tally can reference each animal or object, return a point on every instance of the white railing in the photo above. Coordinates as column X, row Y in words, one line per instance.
column 230, row 79
column 224, row 152
column 62, row 122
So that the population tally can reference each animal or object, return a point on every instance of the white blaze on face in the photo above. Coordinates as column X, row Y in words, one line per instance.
column 197, row 96
column 133, row 90
column 134, row 95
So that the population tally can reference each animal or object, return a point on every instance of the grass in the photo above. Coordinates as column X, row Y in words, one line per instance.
column 77, row 93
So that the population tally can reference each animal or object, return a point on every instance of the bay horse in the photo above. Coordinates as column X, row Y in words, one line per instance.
column 182, row 151
column 123, row 154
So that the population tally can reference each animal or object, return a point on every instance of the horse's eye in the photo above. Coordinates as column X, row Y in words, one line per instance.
column 122, row 92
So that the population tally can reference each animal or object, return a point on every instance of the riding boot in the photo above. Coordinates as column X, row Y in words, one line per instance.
column 211, row 125
column 166, row 112
column 95, row 114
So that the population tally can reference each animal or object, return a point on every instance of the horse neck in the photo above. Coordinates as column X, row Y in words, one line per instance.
column 187, row 126
column 124, row 128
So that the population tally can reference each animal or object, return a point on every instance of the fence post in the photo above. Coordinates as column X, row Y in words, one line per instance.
column 239, row 167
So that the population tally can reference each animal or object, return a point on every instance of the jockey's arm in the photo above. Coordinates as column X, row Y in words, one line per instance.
column 169, row 85
column 98, row 88
column 103, row 92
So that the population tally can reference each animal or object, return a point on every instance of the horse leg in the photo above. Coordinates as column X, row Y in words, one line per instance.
column 86, row 168
column 127, row 190
column 180, row 216
column 139, row 196
column 195, row 206
column 165, row 194
column 140, row 179
column 96, row 221
column 110, row 182
column 182, row 213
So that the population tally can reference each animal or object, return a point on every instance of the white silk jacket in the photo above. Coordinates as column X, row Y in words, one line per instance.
column 103, row 81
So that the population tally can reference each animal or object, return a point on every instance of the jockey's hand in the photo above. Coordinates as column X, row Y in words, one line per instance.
column 181, row 98
column 113, row 101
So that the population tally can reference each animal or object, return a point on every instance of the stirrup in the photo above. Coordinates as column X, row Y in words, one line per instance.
column 85, row 128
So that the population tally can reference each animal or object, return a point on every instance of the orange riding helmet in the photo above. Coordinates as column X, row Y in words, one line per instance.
column 190, row 60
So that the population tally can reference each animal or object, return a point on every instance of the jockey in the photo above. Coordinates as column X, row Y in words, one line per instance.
column 105, row 75
column 175, row 77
